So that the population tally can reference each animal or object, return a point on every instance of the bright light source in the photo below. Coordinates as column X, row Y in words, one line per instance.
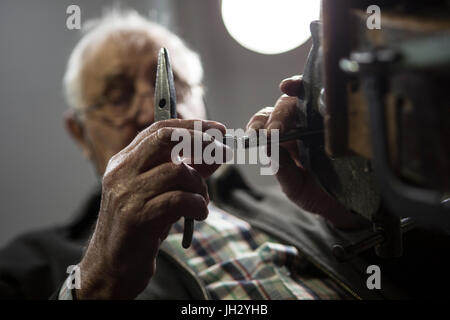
column 270, row 26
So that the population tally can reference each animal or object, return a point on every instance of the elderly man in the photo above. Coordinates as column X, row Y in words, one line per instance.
column 132, row 229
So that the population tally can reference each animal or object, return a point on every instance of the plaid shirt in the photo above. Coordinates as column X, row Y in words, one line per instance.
column 236, row 261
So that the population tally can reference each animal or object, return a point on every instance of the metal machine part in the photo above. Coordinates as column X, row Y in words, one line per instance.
column 349, row 178
column 378, row 95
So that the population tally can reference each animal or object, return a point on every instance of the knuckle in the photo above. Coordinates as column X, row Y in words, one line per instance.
column 112, row 163
column 285, row 99
column 266, row 110
column 156, row 126
column 109, row 178
column 146, row 132
column 163, row 135
column 113, row 169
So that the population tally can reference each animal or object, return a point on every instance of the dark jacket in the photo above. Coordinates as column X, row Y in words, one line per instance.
column 34, row 265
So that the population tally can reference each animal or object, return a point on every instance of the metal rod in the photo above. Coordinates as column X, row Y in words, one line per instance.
column 250, row 142
column 345, row 253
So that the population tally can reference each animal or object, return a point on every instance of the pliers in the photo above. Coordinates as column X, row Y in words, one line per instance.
column 165, row 106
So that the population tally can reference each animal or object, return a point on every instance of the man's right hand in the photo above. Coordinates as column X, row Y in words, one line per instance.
column 144, row 194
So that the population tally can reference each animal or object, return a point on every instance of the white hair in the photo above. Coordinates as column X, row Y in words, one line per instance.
column 185, row 63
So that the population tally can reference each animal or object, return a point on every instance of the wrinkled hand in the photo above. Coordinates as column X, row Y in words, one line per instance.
column 295, row 181
column 144, row 194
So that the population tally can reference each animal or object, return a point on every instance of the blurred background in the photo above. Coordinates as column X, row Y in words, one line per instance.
column 44, row 178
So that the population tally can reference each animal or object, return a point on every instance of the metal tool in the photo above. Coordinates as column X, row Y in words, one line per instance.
column 295, row 134
column 165, row 108
column 298, row 133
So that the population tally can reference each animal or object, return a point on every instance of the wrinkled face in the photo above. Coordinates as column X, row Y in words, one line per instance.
column 118, row 82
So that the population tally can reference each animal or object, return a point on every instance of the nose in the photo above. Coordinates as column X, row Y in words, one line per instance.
column 146, row 114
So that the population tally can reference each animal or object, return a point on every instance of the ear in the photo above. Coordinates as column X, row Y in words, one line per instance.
column 75, row 128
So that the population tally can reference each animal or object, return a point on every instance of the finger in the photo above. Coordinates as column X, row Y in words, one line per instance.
column 284, row 115
column 159, row 147
column 171, row 177
column 187, row 124
column 291, row 178
column 206, row 170
column 165, row 233
column 175, row 123
column 168, row 207
column 259, row 119
column 293, row 86
column 292, row 148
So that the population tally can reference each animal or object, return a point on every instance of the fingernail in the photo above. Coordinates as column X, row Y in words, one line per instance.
column 256, row 126
column 251, row 133
column 276, row 125
column 293, row 78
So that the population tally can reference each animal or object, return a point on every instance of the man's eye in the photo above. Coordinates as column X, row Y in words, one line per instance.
column 119, row 97
column 119, row 91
